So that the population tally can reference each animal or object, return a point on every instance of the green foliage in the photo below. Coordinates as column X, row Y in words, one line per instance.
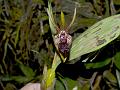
column 28, row 72
column 117, row 60
column 24, row 47
column 98, row 64
column 26, row 43
column 51, row 19
column 66, row 83
column 96, row 37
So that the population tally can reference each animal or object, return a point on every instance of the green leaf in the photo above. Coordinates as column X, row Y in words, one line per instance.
column 98, row 64
column 6, row 78
column 18, row 79
column 117, row 60
column 49, row 77
column 96, row 37
column 5, row 53
column 21, row 79
column 51, row 19
column 27, row 71
column 66, row 84
column 59, row 85
column 17, row 35
column 5, row 48
column 72, row 84
column 56, row 61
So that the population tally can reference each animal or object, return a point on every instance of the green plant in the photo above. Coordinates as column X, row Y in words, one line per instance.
column 26, row 44
column 94, row 38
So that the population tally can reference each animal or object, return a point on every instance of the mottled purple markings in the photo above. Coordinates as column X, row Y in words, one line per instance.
column 100, row 41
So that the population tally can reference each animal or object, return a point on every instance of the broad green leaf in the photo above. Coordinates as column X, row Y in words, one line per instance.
column 27, row 71
column 96, row 37
column 117, row 60
column 98, row 64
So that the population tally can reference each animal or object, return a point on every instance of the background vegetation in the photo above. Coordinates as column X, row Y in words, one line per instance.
column 26, row 45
